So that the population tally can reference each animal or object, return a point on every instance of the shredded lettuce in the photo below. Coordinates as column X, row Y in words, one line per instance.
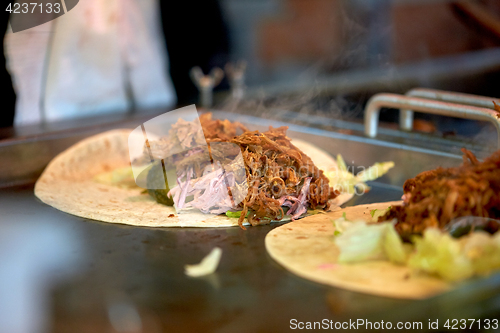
column 361, row 241
column 376, row 213
column 436, row 252
column 484, row 252
column 394, row 248
column 341, row 224
column 375, row 171
column 344, row 181
column 121, row 177
column 315, row 211
column 235, row 214
column 341, row 163
column 208, row 265
column 456, row 259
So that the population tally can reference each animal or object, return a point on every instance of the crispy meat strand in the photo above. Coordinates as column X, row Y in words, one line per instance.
column 220, row 130
column 433, row 198
column 497, row 109
column 274, row 168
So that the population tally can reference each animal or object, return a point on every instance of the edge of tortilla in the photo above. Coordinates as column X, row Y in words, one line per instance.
column 67, row 184
column 305, row 247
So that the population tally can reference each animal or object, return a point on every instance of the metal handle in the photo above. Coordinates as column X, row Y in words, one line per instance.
column 378, row 101
column 235, row 72
column 406, row 116
column 206, row 83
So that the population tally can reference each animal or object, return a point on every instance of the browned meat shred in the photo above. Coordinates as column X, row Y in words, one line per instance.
column 433, row 198
column 275, row 169
column 223, row 130
column 497, row 109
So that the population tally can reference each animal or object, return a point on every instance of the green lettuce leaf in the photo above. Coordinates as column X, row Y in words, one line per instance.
column 360, row 241
column 438, row 253
column 235, row 214
column 121, row 177
column 375, row 171
column 345, row 182
column 376, row 213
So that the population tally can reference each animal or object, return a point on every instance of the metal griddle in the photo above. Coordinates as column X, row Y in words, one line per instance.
column 141, row 269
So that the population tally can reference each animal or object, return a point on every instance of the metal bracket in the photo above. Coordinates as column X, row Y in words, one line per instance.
column 206, row 83
column 235, row 73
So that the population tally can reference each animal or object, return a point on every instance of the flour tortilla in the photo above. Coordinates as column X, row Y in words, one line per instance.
column 68, row 184
column 306, row 248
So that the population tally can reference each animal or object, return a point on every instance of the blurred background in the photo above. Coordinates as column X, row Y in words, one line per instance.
column 327, row 56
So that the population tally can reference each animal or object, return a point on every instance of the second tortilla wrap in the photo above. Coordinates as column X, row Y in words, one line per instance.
column 306, row 248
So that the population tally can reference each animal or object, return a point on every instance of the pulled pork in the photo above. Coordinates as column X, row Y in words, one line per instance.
column 222, row 130
column 433, row 198
column 277, row 174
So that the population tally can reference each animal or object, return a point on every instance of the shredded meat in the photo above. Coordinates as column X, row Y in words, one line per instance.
column 277, row 172
column 497, row 109
column 433, row 198
column 223, row 130
column 276, row 169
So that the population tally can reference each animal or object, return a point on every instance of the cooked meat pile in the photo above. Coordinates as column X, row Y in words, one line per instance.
column 278, row 173
column 433, row 198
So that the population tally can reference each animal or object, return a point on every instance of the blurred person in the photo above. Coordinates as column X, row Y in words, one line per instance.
column 103, row 56
column 8, row 94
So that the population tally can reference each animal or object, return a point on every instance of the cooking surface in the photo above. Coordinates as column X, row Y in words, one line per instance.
column 140, row 270
column 89, row 276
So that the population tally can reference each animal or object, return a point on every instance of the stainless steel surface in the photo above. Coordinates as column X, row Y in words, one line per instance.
column 22, row 160
column 353, row 129
column 406, row 116
column 379, row 101
column 248, row 293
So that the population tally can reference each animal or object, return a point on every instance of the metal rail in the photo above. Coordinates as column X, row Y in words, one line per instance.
column 406, row 116
column 379, row 101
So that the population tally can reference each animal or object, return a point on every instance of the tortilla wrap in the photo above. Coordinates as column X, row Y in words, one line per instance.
column 306, row 248
column 68, row 184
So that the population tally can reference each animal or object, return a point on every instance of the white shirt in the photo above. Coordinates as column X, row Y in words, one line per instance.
column 99, row 51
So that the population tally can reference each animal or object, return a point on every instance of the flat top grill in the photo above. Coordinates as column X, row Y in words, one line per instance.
column 142, row 268
column 249, row 292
